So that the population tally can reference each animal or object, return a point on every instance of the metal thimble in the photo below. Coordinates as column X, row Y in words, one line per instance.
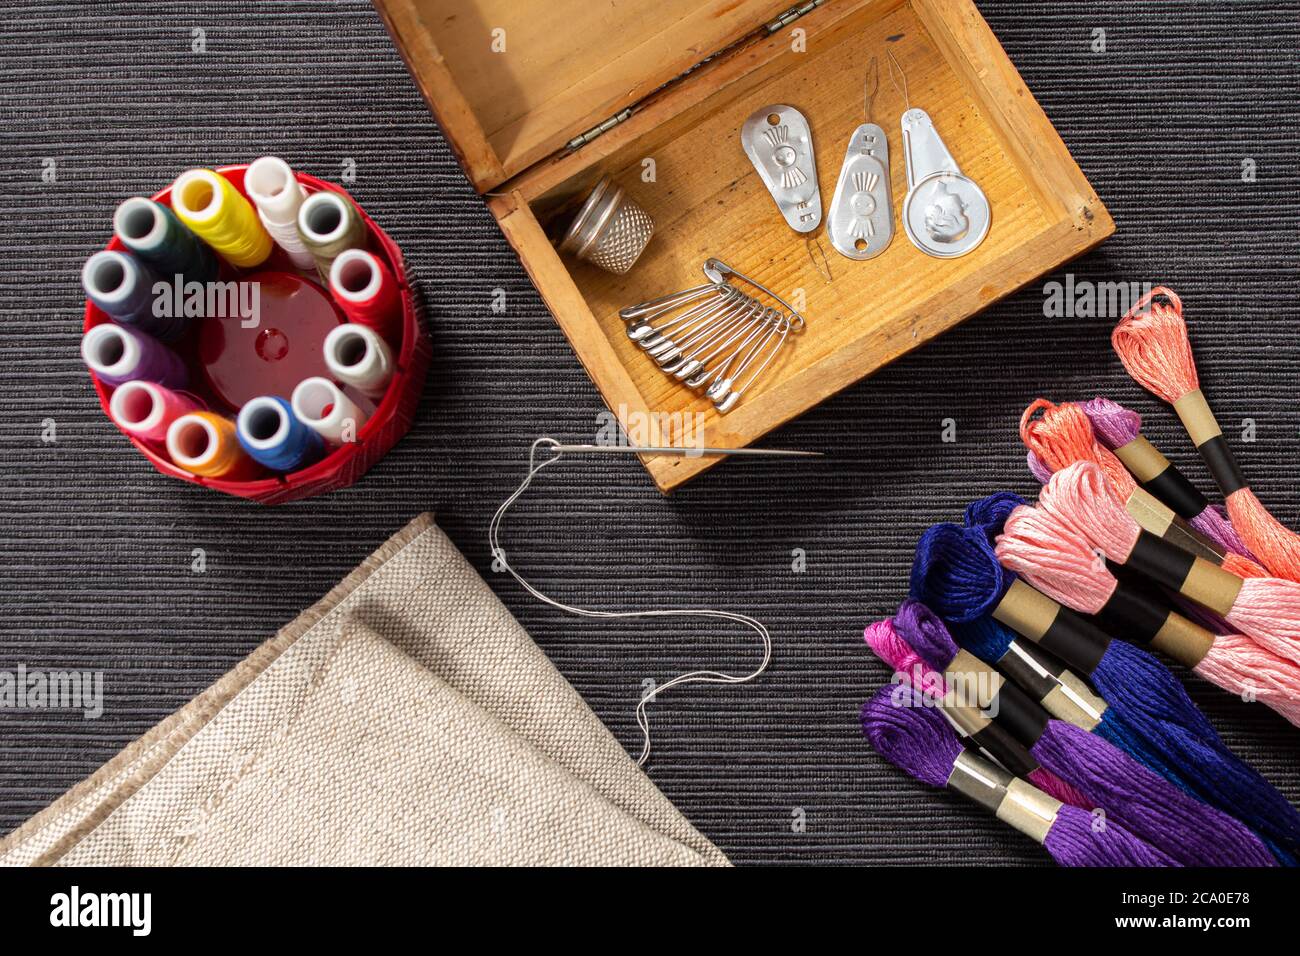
column 610, row 230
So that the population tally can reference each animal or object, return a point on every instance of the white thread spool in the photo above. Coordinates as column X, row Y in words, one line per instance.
column 321, row 405
column 277, row 194
column 357, row 355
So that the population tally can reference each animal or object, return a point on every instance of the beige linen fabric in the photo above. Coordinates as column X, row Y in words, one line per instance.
column 406, row 718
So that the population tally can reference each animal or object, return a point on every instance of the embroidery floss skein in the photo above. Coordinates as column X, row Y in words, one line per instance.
column 321, row 405
column 367, row 291
column 151, row 231
column 1064, row 435
column 1265, row 609
column 957, row 574
column 205, row 444
column 118, row 354
column 274, row 437
column 989, row 736
column 357, row 356
column 122, row 286
column 209, row 204
column 1120, row 430
column 918, row 741
column 146, row 410
column 1151, row 341
column 1061, row 563
column 1152, row 808
column 328, row 224
column 277, row 194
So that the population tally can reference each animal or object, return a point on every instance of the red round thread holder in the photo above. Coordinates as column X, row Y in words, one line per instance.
column 215, row 372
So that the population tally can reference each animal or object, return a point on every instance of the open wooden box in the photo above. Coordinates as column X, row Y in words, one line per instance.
column 579, row 90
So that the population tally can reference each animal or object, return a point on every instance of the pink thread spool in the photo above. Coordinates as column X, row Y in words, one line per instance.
column 366, row 291
column 146, row 410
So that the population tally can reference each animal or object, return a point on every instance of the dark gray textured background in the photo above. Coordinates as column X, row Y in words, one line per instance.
column 95, row 562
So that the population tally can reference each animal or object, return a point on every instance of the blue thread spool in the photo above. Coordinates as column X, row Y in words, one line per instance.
column 154, row 233
column 274, row 437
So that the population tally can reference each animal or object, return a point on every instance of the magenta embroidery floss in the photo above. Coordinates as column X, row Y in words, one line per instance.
column 989, row 736
column 1191, row 832
column 920, row 742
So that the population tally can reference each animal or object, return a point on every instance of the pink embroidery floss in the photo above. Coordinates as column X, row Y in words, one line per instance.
column 1151, row 341
column 1265, row 609
column 909, row 668
column 1061, row 563
column 920, row 742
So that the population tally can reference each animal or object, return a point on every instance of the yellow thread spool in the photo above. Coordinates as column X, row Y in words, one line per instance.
column 222, row 217
column 206, row 444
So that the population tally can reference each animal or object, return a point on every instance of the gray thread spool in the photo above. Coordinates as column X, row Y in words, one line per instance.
column 329, row 224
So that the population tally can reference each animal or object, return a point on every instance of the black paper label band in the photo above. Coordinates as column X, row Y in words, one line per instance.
column 1172, row 487
column 1075, row 640
column 1160, row 561
column 1222, row 465
column 1132, row 614
column 1022, row 716
column 1030, row 669
column 999, row 744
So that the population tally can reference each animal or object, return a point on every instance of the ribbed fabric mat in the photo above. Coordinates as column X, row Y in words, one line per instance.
column 95, row 561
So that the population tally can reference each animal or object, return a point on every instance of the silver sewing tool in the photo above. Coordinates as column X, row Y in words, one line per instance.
column 861, row 218
column 945, row 213
column 714, row 337
column 555, row 451
column 779, row 143
column 610, row 230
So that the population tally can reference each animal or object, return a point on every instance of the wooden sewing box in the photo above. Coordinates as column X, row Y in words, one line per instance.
column 540, row 100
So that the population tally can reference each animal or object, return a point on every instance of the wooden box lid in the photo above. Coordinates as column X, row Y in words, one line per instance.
column 513, row 81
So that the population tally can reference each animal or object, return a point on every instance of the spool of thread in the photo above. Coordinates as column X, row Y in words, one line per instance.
column 123, row 287
column 274, row 437
column 210, row 205
column 1061, row 563
column 1152, row 343
column 118, row 354
column 153, row 233
column 329, row 224
column 1191, row 832
column 957, row 574
column 357, row 356
column 321, row 405
column 205, row 444
column 146, row 410
column 367, row 292
column 918, row 740
column 277, row 194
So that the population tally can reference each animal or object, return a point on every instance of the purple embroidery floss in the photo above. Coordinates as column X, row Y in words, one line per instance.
column 1191, row 832
column 117, row 354
column 919, row 741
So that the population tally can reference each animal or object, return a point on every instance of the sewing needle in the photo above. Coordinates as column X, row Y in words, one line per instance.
column 691, row 451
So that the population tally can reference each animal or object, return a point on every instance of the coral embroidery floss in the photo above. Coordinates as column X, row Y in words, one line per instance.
column 1151, row 341
column 920, row 742
column 1192, row 832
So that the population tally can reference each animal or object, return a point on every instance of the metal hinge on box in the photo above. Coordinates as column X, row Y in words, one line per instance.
column 780, row 23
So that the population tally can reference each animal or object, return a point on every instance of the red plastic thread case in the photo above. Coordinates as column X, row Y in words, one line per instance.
column 390, row 420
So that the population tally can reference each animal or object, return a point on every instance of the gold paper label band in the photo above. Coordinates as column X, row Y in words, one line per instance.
column 1155, row 516
column 1183, row 640
column 1194, row 412
column 1026, row 611
column 1143, row 459
column 972, row 682
column 1028, row 809
column 977, row 778
column 1212, row 587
